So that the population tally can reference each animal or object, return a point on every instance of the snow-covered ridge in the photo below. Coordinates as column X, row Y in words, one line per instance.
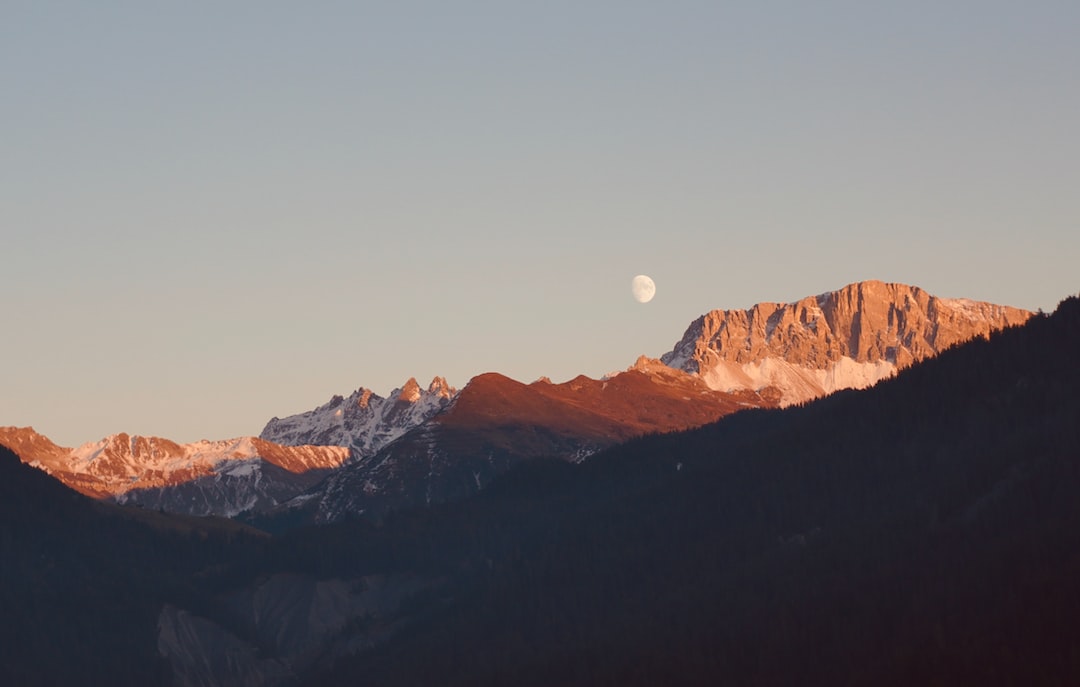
column 202, row 478
column 132, row 461
column 363, row 421
column 123, row 462
column 138, row 454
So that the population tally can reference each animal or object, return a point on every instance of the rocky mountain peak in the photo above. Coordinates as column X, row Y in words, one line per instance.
column 363, row 397
column 851, row 337
column 439, row 387
column 366, row 422
column 647, row 365
column 410, row 392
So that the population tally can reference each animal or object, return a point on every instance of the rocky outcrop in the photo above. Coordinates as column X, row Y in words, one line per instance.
column 365, row 421
column 850, row 338
column 284, row 626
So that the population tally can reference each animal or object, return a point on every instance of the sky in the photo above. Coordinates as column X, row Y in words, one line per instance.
column 214, row 213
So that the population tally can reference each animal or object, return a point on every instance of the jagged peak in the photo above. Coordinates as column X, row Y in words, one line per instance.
column 646, row 364
column 366, row 420
column 363, row 397
column 441, row 388
column 410, row 391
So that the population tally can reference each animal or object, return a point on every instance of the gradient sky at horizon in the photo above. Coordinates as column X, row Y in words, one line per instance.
column 214, row 213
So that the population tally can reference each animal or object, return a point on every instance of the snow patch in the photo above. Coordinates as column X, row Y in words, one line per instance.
column 364, row 421
column 796, row 383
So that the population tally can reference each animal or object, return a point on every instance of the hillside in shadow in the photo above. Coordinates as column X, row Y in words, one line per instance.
column 925, row 531
column 82, row 582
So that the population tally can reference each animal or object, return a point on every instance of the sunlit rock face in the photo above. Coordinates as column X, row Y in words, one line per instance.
column 850, row 338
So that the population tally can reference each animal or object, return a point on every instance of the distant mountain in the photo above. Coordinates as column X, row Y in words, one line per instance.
column 204, row 478
column 365, row 421
column 418, row 447
column 850, row 338
column 496, row 422
column 232, row 476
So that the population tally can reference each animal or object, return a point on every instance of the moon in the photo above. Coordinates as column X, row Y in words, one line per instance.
column 643, row 288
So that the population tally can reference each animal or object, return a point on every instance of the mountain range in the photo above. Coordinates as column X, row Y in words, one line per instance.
column 205, row 478
column 923, row 531
column 496, row 422
column 365, row 454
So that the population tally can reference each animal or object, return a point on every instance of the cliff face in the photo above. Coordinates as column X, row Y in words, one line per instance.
column 273, row 630
column 850, row 338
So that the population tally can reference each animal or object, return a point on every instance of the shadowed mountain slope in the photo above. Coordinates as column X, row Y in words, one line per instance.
column 922, row 532
column 82, row 582
column 496, row 422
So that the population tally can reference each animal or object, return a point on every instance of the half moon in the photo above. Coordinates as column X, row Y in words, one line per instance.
column 643, row 288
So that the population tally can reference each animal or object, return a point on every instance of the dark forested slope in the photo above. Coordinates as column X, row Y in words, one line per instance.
column 925, row 531
column 82, row 582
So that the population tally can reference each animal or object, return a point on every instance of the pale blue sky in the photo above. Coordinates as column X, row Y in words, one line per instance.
column 217, row 212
